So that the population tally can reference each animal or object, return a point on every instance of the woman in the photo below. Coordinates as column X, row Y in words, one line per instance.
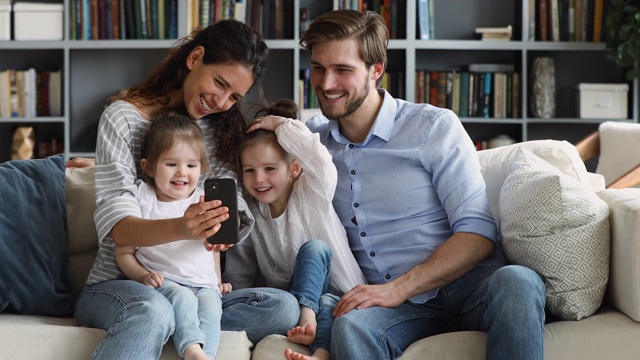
column 205, row 75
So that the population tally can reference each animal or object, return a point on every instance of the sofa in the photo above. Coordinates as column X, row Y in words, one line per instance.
column 611, row 332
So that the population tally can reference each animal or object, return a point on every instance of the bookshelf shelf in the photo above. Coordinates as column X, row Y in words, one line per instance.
column 93, row 70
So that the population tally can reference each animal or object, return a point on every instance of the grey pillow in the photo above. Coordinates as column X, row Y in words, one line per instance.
column 558, row 228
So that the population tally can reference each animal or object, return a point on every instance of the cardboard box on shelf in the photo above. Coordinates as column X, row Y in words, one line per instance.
column 37, row 21
column 603, row 101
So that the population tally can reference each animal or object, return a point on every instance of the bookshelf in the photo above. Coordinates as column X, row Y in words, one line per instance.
column 93, row 70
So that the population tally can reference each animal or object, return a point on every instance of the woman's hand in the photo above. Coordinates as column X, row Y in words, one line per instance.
column 202, row 219
column 269, row 122
column 80, row 162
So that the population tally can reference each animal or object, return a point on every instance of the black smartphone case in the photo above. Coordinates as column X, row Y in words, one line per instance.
column 224, row 189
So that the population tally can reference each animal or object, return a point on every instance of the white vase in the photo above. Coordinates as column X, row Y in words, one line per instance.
column 543, row 89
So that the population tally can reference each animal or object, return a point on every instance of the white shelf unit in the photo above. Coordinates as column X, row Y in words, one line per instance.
column 93, row 70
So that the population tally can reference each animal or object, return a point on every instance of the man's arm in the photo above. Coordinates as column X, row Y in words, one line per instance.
column 455, row 257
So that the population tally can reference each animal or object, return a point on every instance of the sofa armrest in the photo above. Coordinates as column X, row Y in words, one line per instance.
column 623, row 291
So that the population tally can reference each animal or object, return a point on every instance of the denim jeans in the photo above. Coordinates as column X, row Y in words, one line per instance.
column 198, row 312
column 309, row 281
column 507, row 303
column 139, row 320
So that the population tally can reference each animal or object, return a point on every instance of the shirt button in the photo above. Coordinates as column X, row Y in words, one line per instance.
column 350, row 146
column 363, row 234
column 353, row 172
column 387, row 276
column 372, row 254
column 356, row 205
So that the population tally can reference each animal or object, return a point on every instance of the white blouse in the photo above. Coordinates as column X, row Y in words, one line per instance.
column 309, row 215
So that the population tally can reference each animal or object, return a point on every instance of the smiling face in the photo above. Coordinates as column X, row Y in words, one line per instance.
column 268, row 176
column 342, row 81
column 213, row 88
column 176, row 172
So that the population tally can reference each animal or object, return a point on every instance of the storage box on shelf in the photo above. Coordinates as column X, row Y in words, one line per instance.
column 603, row 101
column 112, row 65
column 37, row 21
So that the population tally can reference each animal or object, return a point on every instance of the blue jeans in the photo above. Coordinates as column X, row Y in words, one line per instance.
column 197, row 312
column 139, row 320
column 507, row 303
column 309, row 281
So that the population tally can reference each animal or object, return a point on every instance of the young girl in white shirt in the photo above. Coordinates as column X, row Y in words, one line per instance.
column 299, row 243
column 173, row 159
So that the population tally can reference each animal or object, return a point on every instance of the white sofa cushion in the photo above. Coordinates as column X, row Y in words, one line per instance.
column 496, row 165
column 554, row 225
column 616, row 139
column 624, row 283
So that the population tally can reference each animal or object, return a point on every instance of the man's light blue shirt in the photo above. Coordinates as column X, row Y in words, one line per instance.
column 412, row 183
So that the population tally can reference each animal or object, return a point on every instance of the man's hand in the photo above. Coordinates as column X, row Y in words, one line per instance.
column 364, row 296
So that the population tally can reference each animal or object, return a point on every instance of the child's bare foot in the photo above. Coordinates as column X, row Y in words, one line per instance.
column 320, row 354
column 195, row 352
column 302, row 335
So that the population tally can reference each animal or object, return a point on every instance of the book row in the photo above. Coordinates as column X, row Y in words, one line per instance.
column 394, row 83
column 568, row 20
column 471, row 94
column 123, row 19
column 30, row 93
column 392, row 11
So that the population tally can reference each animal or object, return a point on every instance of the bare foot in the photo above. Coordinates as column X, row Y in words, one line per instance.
column 320, row 354
column 195, row 352
column 302, row 335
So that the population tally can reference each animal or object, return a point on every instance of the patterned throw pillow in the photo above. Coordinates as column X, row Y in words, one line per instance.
column 558, row 228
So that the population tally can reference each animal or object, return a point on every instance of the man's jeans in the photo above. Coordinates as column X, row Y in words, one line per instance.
column 139, row 320
column 309, row 281
column 197, row 312
column 507, row 303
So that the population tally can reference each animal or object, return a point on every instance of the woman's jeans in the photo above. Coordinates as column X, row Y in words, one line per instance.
column 309, row 281
column 507, row 303
column 139, row 320
column 197, row 316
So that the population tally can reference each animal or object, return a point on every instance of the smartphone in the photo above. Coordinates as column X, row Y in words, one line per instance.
column 225, row 190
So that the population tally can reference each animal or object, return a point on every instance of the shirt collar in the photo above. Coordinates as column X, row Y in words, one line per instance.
column 382, row 126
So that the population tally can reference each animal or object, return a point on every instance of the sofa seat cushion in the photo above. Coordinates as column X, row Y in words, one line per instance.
column 44, row 337
column 607, row 334
column 554, row 225
column 34, row 276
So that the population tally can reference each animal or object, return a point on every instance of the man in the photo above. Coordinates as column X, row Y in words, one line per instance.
column 412, row 199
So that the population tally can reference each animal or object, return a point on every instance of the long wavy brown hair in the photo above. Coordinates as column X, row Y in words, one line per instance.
column 225, row 42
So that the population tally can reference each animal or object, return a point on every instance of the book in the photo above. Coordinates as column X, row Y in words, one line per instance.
column 543, row 20
column 598, row 19
column 464, row 94
column 554, row 10
column 5, row 94
column 424, row 19
column 532, row 19
column 487, row 67
column 55, row 93
column 486, row 96
column 455, row 101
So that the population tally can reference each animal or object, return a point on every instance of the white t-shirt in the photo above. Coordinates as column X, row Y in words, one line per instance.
column 186, row 262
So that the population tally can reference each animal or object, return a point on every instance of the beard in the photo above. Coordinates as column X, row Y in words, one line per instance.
column 352, row 106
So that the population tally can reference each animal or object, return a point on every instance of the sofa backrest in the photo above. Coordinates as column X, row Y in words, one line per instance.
column 82, row 235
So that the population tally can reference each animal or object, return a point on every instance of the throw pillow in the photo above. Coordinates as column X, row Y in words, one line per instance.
column 555, row 226
column 34, row 276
